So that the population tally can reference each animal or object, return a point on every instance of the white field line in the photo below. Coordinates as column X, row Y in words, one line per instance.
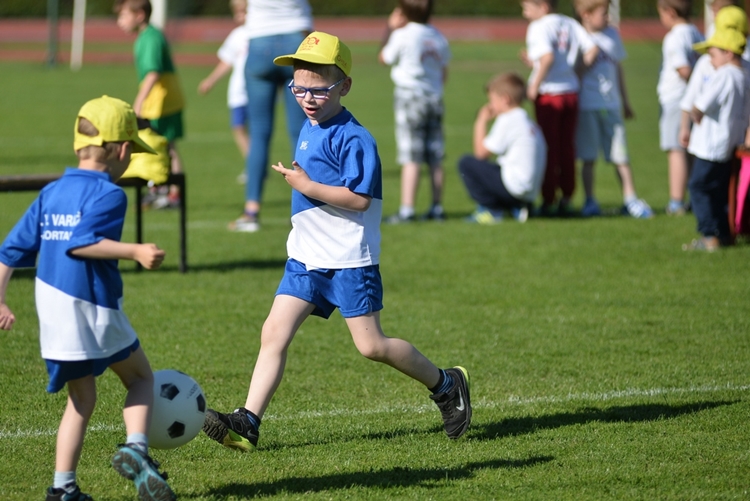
column 481, row 404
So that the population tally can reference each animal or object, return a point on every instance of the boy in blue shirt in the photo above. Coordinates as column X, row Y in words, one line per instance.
column 333, row 248
column 74, row 227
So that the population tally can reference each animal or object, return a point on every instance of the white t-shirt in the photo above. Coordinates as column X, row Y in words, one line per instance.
column 234, row 51
column 702, row 73
column 677, row 52
column 724, row 103
column 521, row 153
column 418, row 54
column 600, row 86
column 277, row 17
column 567, row 40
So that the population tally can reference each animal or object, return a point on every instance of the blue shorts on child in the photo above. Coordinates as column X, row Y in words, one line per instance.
column 61, row 371
column 354, row 291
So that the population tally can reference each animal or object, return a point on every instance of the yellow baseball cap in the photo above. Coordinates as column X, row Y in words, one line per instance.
column 320, row 48
column 731, row 17
column 114, row 119
column 727, row 39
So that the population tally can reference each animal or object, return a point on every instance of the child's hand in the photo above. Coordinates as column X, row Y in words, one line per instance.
column 149, row 255
column 627, row 111
column 683, row 137
column 532, row 92
column 205, row 86
column 7, row 319
column 486, row 113
column 297, row 177
column 397, row 19
column 524, row 57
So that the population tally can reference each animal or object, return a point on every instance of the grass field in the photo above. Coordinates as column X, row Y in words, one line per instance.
column 606, row 362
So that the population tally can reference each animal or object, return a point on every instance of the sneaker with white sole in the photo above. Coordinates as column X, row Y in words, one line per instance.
column 137, row 466
column 455, row 404
column 231, row 430
column 244, row 224
column 639, row 209
column 484, row 216
column 520, row 214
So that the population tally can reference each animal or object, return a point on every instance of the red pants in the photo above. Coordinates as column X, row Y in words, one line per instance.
column 557, row 116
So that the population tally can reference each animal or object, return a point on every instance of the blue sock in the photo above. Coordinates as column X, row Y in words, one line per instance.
column 444, row 383
column 139, row 441
column 64, row 480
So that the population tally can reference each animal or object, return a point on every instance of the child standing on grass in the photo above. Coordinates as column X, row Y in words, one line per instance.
column 511, row 183
column 600, row 123
column 232, row 56
column 334, row 249
column 719, row 124
column 678, row 59
column 554, row 45
column 159, row 97
column 419, row 55
column 74, row 227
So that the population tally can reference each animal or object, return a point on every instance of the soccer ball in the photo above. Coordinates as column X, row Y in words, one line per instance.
column 179, row 410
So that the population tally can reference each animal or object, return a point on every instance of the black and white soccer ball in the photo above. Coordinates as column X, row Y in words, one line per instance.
column 179, row 410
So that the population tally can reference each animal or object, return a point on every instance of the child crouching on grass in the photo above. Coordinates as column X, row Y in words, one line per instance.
column 334, row 249
column 74, row 227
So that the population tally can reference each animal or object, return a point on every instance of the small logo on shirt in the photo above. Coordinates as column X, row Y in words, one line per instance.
column 303, row 145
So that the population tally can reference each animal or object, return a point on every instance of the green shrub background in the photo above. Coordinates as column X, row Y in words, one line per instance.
column 506, row 8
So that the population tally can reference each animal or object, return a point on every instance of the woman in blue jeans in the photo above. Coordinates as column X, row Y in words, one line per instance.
column 275, row 27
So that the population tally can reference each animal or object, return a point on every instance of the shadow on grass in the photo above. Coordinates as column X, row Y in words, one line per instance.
column 380, row 479
column 620, row 414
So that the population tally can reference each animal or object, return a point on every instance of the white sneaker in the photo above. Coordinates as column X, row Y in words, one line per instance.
column 639, row 209
column 244, row 225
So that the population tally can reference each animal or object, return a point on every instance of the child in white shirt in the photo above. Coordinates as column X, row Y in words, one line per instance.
column 513, row 181
column 678, row 59
column 720, row 120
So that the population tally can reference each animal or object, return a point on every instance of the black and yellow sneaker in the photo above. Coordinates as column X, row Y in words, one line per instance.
column 455, row 404
column 63, row 495
column 231, row 430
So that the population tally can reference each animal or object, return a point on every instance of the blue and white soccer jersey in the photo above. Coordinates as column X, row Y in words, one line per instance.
column 338, row 152
column 78, row 300
column 334, row 253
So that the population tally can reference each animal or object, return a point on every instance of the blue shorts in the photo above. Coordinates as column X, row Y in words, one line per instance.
column 61, row 371
column 238, row 116
column 354, row 291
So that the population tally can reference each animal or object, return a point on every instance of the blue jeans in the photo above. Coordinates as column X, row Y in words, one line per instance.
column 709, row 197
column 263, row 80
column 485, row 185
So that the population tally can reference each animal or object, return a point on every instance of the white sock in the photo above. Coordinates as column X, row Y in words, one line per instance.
column 63, row 479
column 405, row 211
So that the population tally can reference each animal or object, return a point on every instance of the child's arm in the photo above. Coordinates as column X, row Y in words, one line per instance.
column 222, row 69
column 626, row 109
column 481, row 123
column 545, row 63
column 149, row 255
column 684, row 134
column 148, row 83
column 589, row 57
column 696, row 115
column 685, row 72
column 338, row 196
column 395, row 21
column 6, row 316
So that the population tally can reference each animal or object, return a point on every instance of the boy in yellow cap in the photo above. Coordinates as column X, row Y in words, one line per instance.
column 719, row 119
column 74, row 230
column 333, row 249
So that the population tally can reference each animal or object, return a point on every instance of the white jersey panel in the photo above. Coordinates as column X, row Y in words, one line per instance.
column 419, row 54
column 278, row 17
column 72, row 329
column 677, row 52
column 234, row 51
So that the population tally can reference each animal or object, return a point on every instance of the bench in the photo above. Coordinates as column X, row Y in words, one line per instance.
column 35, row 182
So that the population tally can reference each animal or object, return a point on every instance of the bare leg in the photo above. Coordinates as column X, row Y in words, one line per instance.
column 587, row 176
column 286, row 316
column 241, row 139
column 135, row 374
column 409, row 184
column 678, row 174
column 72, row 430
column 625, row 175
column 372, row 343
column 438, row 178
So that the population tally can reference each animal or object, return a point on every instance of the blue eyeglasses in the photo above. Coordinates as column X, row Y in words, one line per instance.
column 316, row 92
